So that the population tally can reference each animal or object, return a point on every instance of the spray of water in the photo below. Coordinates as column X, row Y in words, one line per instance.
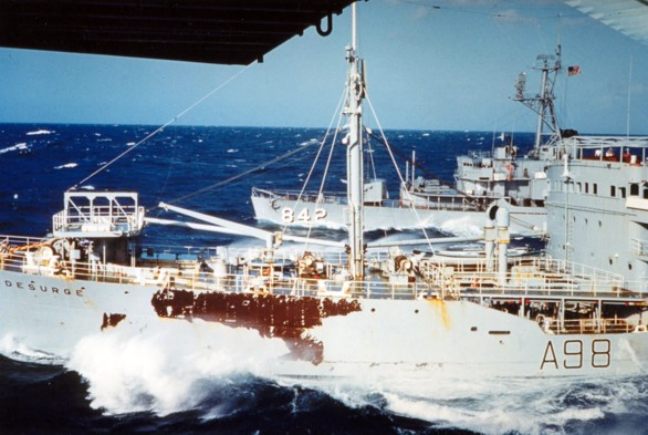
column 170, row 367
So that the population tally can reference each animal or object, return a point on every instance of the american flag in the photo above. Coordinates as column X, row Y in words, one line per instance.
column 573, row 70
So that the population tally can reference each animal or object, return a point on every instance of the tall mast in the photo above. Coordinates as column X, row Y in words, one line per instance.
column 355, row 170
column 543, row 105
column 543, row 102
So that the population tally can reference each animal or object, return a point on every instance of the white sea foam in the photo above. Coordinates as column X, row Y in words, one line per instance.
column 310, row 141
column 67, row 166
column 130, row 144
column 38, row 132
column 232, row 150
column 12, row 347
column 18, row 147
column 170, row 366
column 464, row 227
column 88, row 187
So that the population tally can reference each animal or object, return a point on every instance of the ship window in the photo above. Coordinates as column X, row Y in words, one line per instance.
column 610, row 261
column 579, row 187
column 612, row 191
column 600, row 224
column 629, row 266
column 634, row 189
column 622, row 191
column 586, row 187
column 586, row 221
column 645, row 193
column 594, row 189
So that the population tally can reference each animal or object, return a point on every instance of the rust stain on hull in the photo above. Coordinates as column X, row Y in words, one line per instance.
column 441, row 308
column 285, row 317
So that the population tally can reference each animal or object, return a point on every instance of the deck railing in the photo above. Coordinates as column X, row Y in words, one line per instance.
column 590, row 326
column 106, row 217
column 534, row 278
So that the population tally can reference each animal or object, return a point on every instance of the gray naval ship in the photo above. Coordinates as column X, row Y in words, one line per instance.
column 481, row 178
column 579, row 310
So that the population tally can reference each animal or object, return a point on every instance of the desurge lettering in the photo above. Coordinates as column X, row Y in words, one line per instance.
column 32, row 286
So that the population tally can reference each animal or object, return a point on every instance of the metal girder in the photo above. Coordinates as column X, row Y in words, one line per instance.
column 210, row 31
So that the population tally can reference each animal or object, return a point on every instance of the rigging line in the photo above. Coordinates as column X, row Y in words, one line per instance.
column 320, row 195
column 400, row 176
column 165, row 125
column 241, row 175
column 341, row 101
column 370, row 151
column 416, row 164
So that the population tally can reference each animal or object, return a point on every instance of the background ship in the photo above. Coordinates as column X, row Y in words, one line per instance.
column 480, row 178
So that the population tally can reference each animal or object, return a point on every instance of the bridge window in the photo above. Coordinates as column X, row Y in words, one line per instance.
column 622, row 191
column 613, row 191
column 594, row 189
column 586, row 187
column 645, row 193
column 634, row 189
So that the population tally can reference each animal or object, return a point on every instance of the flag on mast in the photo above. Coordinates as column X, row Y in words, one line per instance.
column 573, row 70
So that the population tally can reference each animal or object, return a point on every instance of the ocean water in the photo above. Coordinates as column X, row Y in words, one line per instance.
column 161, row 383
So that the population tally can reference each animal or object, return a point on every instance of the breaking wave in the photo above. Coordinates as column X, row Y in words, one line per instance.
column 38, row 132
column 67, row 166
column 12, row 347
column 18, row 147
column 170, row 367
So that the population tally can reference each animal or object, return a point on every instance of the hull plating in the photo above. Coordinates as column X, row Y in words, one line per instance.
column 369, row 337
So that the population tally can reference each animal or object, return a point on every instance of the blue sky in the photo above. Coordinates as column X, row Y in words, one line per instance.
column 446, row 68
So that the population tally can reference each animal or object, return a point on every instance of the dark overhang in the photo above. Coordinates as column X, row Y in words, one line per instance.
column 211, row 31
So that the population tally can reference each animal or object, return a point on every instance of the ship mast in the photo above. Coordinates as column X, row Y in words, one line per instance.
column 355, row 170
column 543, row 102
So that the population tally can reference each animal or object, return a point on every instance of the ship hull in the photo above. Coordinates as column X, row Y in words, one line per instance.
column 416, row 337
column 527, row 221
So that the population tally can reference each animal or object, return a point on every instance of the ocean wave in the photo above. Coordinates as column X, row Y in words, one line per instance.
column 169, row 366
column 310, row 141
column 14, row 348
column 39, row 132
column 67, row 166
column 18, row 147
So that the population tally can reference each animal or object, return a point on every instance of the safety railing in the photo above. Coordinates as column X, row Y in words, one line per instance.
column 591, row 326
column 188, row 275
column 106, row 218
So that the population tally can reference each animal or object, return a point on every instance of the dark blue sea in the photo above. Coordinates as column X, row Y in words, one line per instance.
column 161, row 390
